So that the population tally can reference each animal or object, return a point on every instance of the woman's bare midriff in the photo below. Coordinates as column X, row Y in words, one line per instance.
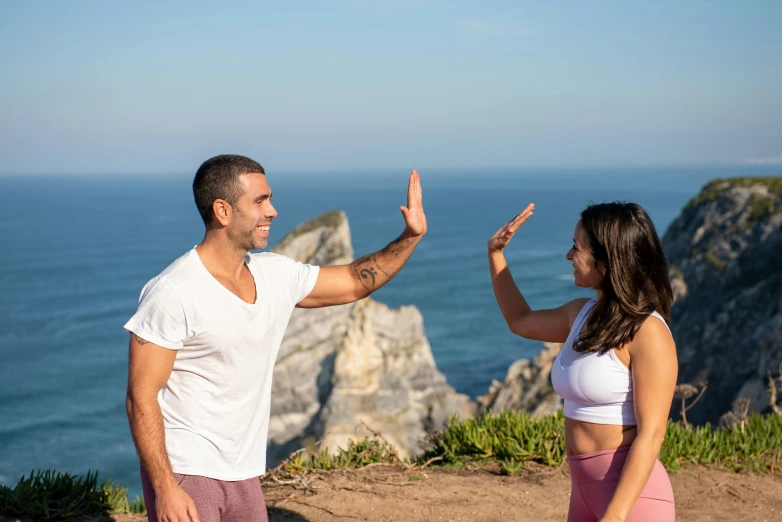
column 586, row 437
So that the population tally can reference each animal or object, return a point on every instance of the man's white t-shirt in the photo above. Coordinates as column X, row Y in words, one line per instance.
column 217, row 400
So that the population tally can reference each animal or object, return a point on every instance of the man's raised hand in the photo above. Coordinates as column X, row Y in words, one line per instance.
column 414, row 211
column 502, row 237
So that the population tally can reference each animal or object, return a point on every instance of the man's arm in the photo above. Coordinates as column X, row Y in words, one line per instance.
column 347, row 283
column 149, row 368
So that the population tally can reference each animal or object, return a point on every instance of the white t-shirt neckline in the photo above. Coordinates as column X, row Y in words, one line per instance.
column 249, row 306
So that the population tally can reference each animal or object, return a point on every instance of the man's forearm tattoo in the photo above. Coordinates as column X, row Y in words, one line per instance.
column 397, row 247
column 366, row 269
column 139, row 340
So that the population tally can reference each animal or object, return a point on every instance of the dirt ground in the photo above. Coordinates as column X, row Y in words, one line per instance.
column 386, row 494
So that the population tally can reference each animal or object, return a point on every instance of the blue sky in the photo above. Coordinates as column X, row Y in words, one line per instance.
column 141, row 87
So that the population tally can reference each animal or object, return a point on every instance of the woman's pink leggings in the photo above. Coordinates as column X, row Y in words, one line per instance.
column 593, row 480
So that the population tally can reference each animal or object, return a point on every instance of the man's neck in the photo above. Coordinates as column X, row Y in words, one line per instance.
column 220, row 257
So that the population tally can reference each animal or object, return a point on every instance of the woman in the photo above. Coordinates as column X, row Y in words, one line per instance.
column 618, row 367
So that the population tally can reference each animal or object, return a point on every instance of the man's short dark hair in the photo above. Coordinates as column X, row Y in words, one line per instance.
column 218, row 178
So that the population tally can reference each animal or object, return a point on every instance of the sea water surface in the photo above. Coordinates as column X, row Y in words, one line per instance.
column 76, row 251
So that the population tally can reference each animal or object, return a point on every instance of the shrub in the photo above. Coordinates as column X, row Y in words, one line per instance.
column 754, row 445
column 512, row 439
column 118, row 501
column 49, row 495
column 509, row 438
column 357, row 455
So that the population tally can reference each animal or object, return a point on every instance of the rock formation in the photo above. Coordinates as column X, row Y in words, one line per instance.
column 527, row 386
column 725, row 251
column 342, row 366
column 362, row 362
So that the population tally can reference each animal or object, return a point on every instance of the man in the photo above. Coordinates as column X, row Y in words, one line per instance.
column 205, row 337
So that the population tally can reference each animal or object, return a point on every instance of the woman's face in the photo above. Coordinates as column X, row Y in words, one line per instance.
column 585, row 272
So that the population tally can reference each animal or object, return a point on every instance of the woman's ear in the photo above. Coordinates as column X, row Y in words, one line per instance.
column 602, row 269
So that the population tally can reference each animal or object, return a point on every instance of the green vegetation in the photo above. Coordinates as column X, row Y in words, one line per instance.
column 709, row 192
column 755, row 445
column 715, row 261
column 773, row 183
column 702, row 249
column 509, row 440
column 119, row 502
column 712, row 189
column 512, row 439
column 357, row 455
column 762, row 207
column 49, row 495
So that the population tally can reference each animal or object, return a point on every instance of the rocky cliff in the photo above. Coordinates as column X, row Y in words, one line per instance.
column 362, row 362
column 527, row 386
column 725, row 251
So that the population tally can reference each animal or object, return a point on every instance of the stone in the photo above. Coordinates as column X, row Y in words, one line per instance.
column 343, row 367
column 527, row 386
column 725, row 252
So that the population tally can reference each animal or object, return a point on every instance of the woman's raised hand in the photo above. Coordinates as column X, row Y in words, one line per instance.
column 502, row 237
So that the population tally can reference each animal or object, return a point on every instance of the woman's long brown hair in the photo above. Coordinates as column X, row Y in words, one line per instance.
column 623, row 238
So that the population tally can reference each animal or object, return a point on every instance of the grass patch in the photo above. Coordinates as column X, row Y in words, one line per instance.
column 509, row 439
column 357, row 455
column 755, row 445
column 119, row 501
column 49, row 495
column 512, row 439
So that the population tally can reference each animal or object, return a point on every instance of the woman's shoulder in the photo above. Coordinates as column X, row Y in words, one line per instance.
column 652, row 333
column 576, row 306
column 655, row 324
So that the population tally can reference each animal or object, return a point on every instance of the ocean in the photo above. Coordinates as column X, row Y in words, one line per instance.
column 75, row 252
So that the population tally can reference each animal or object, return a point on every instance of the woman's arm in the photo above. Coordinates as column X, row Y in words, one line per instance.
column 541, row 325
column 654, row 370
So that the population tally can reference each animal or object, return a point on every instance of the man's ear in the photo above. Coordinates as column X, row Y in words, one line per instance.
column 223, row 211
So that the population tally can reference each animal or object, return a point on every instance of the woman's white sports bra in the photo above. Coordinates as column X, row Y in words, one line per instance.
column 596, row 388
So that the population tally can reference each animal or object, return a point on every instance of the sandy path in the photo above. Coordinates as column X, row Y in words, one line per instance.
column 391, row 494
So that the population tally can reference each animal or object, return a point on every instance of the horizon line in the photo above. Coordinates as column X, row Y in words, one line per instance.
column 399, row 171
